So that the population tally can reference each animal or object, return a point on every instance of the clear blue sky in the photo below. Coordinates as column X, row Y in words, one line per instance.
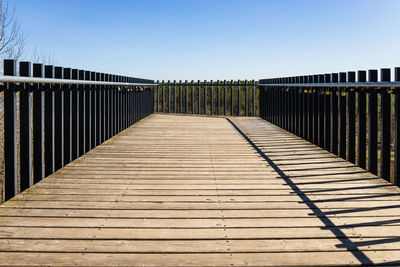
column 214, row 39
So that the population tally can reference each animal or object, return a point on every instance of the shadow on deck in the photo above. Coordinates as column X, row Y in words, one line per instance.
column 193, row 190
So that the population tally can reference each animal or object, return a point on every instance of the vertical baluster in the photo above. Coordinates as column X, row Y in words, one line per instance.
column 10, row 133
column 225, row 97
column 187, row 96
column 84, row 118
column 385, row 127
column 232, row 99
column 212, row 97
column 92, row 131
column 362, row 127
column 246, row 98
column 253, row 84
column 169, row 96
column 158, row 97
column 396, row 180
column 321, row 113
column 205, row 97
column 99, row 108
column 58, row 121
column 105, row 109
column 310, row 110
column 25, row 128
column 342, row 118
column 315, row 111
column 67, row 117
column 301, row 106
column 49, row 122
column 327, row 114
column 351, row 110
column 174, row 96
column 218, row 99
column 305, row 109
column 334, row 116
column 198, row 96
column 373, row 124
column 238, row 105
column 193, row 89
column 163, row 96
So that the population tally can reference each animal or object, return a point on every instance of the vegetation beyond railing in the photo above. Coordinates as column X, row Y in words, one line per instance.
column 62, row 116
column 208, row 98
column 340, row 115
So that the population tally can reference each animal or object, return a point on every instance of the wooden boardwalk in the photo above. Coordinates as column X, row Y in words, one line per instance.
column 186, row 190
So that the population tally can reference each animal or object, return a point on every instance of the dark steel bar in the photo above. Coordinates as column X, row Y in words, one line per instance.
column 321, row 113
column 373, row 124
column 351, row 110
column 232, row 99
column 99, row 108
column 385, row 127
column 218, row 99
column 187, row 97
column 334, row 115
column 246, row 98
column 198, row 96
column 327, row 113
column 38, row 156
column 75, row 117
column 362, row 121
column 49, row 123
column 10, row 133
column 205, row 97
column 158, row 97
column 254, row 97
column 193, row 89
column 174, row 96
column 180, row 97
column 58, row 121
column 25, row 129
column 225, row 97
column 163, row 96
column 238, row 105
column 212, row 97
column 342, row 118
column 92, row 131
column 396, row 179
column 67, row 117
column 84, row 113
column 169, row 96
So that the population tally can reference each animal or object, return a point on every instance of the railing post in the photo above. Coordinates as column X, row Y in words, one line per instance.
column 25, row 129
column 99, row 108
column 232, row 98
column 193, row 89
column 305, row 109
column 396, row 180
column 362, row 126
column 342, row 118
column 158, row 97
column 91, row 76
column 174, row 96
column 385, row 127
column 225, row 98
column 218, row 99
column 373, row 124
column 84, row 112
column 310, row 111
column 321, row 113
column 246, row 98
column 58, row 121
column 67, row 117
column 351, row 110
column 186, row 97
column 163, row 96
column 38, row 159
column 10, row 133
column 198, row 96
column 327, row 114
column 334, row 115
column 205, row 97
column 315, row 98
column 49, row 122
column 254, row 97
column 239, row 97
column 180, row 97
column 212, row 97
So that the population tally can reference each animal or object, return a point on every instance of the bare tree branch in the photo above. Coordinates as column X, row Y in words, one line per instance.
column 12, row 40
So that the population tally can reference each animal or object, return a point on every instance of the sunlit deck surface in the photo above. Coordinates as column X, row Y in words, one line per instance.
column 208, row 191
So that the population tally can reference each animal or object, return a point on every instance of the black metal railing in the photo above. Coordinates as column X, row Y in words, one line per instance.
column 234, row 98
column 62, row 116
column 356, row 120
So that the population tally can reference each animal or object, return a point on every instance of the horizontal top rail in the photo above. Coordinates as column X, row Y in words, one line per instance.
column 15, row 79
column 349, row 84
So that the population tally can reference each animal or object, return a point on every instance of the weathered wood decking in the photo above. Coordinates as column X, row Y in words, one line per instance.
column 182, row 190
